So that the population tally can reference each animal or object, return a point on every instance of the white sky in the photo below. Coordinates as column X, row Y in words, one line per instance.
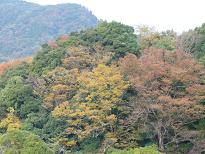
column 179, row 15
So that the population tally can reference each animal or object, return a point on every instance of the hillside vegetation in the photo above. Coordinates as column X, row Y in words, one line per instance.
column 25, row 26
column 105, row 90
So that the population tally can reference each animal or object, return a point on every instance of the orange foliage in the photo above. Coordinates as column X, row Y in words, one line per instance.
column 170, row 82
column 6, row 65
column 60, row 85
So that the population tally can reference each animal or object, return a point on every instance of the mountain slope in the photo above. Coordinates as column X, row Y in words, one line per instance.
column 24, row 26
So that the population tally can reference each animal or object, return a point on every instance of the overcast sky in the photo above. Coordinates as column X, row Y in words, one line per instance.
column 179, row 15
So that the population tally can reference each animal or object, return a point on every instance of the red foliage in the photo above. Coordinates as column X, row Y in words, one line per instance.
column 169, row 84
column 64, row 38
column 6, row 65
column 155, row 73
column 53, row 44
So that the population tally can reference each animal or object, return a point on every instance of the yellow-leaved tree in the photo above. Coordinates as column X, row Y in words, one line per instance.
column 61, row 83
column 11, row 122
column 91, row 112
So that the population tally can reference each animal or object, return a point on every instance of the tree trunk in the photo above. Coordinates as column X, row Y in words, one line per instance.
column 160, row 136
column 161, row 142
column 104, row 146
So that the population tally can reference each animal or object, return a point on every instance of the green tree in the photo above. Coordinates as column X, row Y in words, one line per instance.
column 47, row 59
column 149, row 37
column 21, row 70
column 141, row 150
column 116, row 37
column 22, row 142
column 19, row 95
column 167, row 40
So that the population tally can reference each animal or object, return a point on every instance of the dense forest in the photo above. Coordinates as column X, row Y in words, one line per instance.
column 110, row 89
column 24, row 26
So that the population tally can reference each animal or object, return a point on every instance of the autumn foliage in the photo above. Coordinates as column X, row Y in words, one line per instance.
column 11, row 122
column 99, row 92
column 107, row 90
column 7, row 65
column 170, row 84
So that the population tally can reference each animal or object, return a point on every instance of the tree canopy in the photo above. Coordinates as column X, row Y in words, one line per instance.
column 108, row 89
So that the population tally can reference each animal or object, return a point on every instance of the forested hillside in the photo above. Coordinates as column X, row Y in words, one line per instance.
column 25, row 26
column 106, row 90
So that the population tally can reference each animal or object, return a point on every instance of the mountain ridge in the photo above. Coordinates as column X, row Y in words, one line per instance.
column 24, row 26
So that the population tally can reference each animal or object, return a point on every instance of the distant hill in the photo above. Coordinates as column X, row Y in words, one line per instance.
column 25, row 26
